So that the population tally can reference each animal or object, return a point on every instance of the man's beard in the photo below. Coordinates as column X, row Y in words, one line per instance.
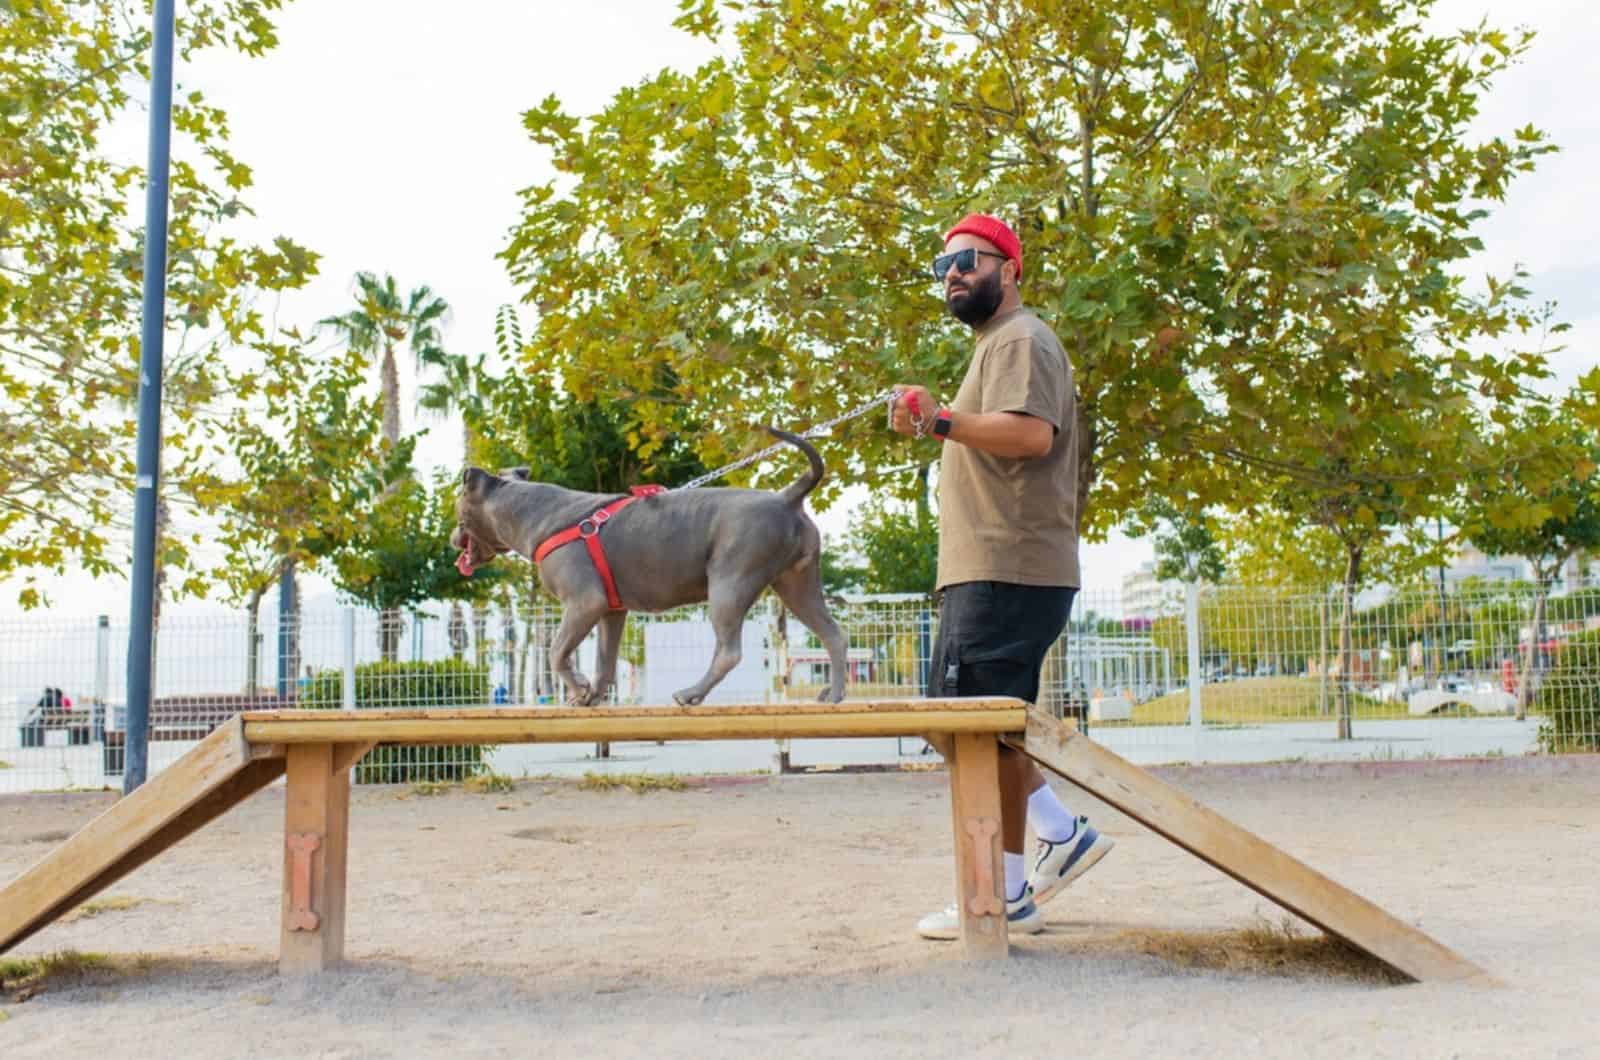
column 976, row 305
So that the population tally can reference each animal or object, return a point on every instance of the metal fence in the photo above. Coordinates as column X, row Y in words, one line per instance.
column 1224, row 673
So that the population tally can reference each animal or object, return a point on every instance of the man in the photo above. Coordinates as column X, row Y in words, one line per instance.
column 1008, row 540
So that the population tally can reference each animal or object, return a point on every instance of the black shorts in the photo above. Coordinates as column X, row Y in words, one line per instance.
column 993, row 637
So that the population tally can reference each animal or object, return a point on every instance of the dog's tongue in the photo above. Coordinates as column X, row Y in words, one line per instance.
column 464, row 563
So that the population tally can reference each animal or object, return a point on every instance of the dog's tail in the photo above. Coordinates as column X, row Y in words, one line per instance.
column 795, row 492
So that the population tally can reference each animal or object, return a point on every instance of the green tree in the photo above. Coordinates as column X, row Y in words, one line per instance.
column 71, row 271
column 1541, row 501
column 901, row 547
column 1207, row 195
column 1186, row 547
column 840, row 573
column 382, row 321
column 310, row 462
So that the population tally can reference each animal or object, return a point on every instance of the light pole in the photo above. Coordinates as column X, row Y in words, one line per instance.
column 147, row 473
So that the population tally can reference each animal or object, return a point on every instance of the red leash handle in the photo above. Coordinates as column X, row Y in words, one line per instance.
column 915, row 406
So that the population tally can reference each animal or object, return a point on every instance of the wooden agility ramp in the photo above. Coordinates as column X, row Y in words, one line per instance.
column 219, row 773
column 315, row 749
column 1242, row 854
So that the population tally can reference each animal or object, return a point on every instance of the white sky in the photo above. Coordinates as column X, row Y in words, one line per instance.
column 387, row 136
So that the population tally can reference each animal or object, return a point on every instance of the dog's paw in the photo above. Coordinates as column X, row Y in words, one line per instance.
column 580, row 694
column 684, row 699
column 828, row 696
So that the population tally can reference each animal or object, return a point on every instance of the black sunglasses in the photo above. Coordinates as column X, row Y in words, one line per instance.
column 964, row 261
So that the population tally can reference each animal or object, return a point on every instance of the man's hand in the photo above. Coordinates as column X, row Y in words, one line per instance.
column 914, row 410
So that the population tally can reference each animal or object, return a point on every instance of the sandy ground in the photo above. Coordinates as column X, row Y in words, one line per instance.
column 757, row 915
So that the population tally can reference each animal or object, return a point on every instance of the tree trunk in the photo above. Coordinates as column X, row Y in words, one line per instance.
column 1530, row 658
column 508, row 644
column 389, row 378
column 163, row 520
column 1352, row 575
column 391, row 624
column 533, row 655
column 1086, row 444
column 390, row 621
column 253, row 648
column 456, row 632
column 480, row 635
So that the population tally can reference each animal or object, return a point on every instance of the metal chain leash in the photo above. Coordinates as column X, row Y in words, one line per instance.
column 885, row 399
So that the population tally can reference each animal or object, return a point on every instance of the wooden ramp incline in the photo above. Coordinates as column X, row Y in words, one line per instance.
column 202, row 785
column 1241, row 854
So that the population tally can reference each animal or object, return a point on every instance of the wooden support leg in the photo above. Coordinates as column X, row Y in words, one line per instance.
column 316, row 839
column 980, row 868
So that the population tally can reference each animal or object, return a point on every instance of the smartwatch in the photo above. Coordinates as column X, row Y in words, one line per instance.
column 941, row 424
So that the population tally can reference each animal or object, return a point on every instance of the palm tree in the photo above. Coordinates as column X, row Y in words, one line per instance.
column 380, row 323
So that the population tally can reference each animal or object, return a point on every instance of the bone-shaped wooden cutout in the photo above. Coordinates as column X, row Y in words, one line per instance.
column 301, row 847
column 983, row 902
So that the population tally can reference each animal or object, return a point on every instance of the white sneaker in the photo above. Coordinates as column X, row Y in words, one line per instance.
column 1022, row 917
column 1060, row 863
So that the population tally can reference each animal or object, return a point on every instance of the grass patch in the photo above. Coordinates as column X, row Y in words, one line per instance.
column 1258, row 700
column 429, row 788
column 1263, row 948
column 638, row 783
column 14, row 969
column 4, row 764
column 489, row 784
column 28, row 975
column 115, row 904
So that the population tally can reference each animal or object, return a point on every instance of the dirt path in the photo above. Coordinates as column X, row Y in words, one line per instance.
column 770, row 914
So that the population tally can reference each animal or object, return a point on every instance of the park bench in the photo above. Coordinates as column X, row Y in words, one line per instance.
column 191, row 717
column 55, row 711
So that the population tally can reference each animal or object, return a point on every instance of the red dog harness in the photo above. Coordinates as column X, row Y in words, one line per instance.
column 589, row 530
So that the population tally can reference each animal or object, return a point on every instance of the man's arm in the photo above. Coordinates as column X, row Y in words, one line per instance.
column 1009, row 434
column 1013, row 434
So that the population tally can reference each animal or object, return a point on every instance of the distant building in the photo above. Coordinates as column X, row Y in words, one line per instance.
column 1144, row 596
column 1471, row 562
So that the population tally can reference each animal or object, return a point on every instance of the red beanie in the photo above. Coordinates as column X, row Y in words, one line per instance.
column 995, row 231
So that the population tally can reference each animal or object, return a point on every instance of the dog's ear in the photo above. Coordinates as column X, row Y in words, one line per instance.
column 521, row 474
column 476, row 480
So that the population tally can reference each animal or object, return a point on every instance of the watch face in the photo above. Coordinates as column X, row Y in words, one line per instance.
column 941, row 426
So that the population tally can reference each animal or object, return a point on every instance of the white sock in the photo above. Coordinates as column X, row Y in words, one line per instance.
column 1051, row 821
column 1016, row 875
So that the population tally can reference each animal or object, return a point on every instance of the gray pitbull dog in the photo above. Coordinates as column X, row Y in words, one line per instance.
column 723, row 546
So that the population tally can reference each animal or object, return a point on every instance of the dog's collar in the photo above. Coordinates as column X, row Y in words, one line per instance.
column 589, row 530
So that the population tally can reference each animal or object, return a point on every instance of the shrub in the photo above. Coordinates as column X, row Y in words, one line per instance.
column 1569, row 697
column 410, row 686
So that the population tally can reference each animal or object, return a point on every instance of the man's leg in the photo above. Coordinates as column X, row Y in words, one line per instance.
column 1019, row 779
column 1067, row 846
column 962, row 616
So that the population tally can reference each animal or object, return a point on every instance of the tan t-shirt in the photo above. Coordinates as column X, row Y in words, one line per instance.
column 1002, row 518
